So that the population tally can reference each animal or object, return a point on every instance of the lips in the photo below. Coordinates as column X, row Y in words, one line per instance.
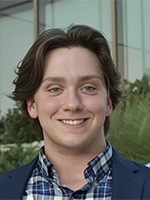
column 73, row 122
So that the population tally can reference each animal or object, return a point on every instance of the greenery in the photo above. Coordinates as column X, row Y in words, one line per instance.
column 15, row 157
column 129, row 131
column 138, row 89
column 2, row 127
column 16, row 128
column 130, row 127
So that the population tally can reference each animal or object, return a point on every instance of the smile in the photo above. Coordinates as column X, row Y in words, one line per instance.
column 73, row 122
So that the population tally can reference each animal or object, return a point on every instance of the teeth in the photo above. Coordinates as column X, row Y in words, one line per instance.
column 73, row 122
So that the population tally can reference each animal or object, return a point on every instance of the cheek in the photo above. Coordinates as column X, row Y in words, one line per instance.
column 95, row 107
column 48, row 106
column 99, row 106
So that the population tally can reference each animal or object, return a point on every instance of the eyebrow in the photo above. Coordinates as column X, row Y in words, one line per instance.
column 89, row 77
column 54, row 79
column 63, row 80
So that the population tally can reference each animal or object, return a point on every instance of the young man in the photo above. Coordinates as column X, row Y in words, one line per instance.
column 69, row 86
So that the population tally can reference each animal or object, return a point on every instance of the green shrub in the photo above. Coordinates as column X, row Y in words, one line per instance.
column 17, row 128
column 16, row 157
column 2, row 127
column 139, row 89
column 130, row 128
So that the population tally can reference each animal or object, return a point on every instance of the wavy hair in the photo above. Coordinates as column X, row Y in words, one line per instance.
column 30, row 70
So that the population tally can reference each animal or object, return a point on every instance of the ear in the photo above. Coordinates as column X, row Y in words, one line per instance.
column 31, row 107
column 109, row 106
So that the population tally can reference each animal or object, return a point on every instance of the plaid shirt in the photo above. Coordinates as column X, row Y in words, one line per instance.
column 44, row 183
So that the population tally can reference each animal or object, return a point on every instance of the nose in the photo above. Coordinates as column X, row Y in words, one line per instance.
column 72, row 101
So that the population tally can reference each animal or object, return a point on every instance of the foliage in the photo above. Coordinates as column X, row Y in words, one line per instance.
column 139, row 88
column 16, row 157
column 17, row 128
column 2, row 128
column 130, row 127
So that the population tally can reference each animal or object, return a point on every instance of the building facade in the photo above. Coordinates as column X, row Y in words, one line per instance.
column 125, row 23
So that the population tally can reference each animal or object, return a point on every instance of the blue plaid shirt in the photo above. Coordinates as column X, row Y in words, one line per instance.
column 44, row 183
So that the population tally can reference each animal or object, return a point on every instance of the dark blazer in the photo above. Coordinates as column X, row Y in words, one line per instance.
column 129, row 180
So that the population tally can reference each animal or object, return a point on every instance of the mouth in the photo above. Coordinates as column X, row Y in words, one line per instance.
column 73, row 122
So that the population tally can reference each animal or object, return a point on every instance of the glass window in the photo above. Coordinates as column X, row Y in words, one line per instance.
column 62, row 13
column 16, row 36
column 146, row 35
column 133, row 33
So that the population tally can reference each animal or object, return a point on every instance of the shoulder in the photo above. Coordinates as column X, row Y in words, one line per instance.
column 125, row 164
column 130, row 180
column 20, row 173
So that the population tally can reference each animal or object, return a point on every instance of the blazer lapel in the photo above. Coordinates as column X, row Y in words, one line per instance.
column 20, row 177
column 126, row 184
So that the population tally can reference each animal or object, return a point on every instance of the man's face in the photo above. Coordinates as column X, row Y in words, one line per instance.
column 72, row 101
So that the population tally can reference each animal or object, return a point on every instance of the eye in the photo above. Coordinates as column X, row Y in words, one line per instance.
column 55, row 90
column 89, row 88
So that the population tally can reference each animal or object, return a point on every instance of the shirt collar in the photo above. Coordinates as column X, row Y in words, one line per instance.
column 99, row 166
column 44, row 164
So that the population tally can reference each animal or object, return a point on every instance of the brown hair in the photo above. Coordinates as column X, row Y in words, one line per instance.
column 30, row 71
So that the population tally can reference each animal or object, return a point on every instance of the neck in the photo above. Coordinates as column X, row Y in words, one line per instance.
column 70, row 164
column 73, row 155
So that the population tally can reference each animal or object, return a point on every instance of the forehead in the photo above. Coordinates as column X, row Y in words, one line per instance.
column 73, row 62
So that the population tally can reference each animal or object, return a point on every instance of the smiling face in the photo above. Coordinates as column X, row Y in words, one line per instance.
column 72, row 101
